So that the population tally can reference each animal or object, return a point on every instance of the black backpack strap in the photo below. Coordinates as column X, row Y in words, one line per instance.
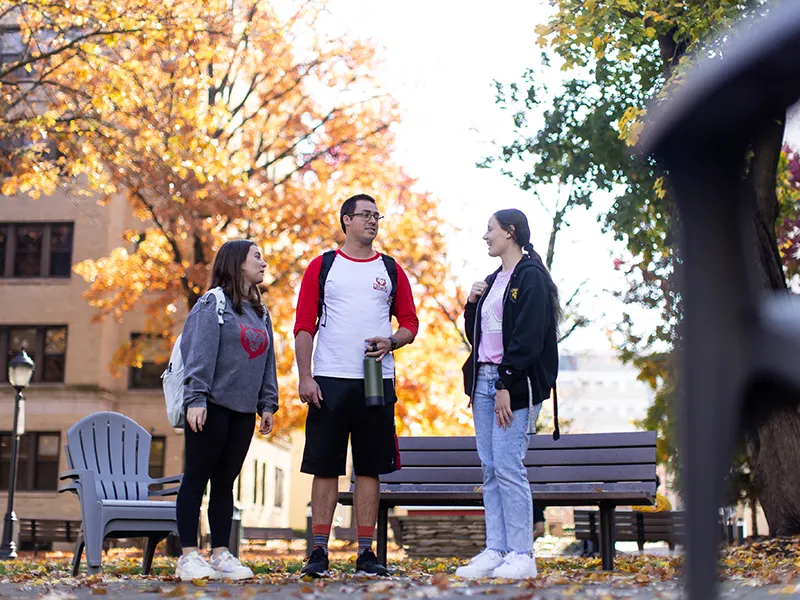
column 391, row 269
column 327, row 263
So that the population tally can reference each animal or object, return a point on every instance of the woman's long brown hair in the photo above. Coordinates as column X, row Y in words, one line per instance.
column 226, row 273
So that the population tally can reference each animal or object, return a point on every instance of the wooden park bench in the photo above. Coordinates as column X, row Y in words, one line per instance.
column 598, row 469
column 41, row 533
column 265, row 534
column 632, row 526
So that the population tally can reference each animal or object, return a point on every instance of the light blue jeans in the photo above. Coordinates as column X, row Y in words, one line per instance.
column 507, row 501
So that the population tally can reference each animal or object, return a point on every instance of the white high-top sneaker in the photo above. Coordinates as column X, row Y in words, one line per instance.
column 481, row 565
column 517, row 566
column 193, row 566
column 229, row 567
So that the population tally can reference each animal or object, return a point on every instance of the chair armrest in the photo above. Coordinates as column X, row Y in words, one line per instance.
column 167, row 492
column 169, row 479
column 71, row 474
column 70, row 487
column 83, row 484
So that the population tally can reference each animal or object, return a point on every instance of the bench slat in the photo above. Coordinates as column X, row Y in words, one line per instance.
column 268, row 533
column 546, row 494
column 48, row 530
column 535, row 474
column 469, row 458
column 584, row 440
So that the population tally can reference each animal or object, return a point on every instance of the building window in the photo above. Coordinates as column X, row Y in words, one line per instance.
column 239, row 487
column 37, row 463
column 149, row 361
column 158, row 452
column 278, row 488
column 36, row 249
column 12, row 50
column 263, row 484
column 46, row 345
column 255, row 482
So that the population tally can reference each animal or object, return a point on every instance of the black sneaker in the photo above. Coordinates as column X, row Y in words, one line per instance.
column 316, row 564
column 367, row 564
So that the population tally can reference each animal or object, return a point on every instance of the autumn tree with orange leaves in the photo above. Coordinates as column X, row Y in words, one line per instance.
column 218, row 123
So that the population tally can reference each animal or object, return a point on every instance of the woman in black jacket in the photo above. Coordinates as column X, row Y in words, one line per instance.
column 511, row 322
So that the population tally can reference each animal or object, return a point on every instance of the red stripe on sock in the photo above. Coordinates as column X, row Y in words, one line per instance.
column 365, row 531
column 321, row 529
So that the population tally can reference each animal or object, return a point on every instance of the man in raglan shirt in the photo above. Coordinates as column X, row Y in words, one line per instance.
column 354, row 317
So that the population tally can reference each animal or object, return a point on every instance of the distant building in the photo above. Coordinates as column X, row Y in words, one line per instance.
column 597, row 393
column 44, row 312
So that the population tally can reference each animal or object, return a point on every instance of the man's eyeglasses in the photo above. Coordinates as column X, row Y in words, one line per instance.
column 367, row 215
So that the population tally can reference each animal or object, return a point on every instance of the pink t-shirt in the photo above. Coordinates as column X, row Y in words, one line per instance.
column 491, row 346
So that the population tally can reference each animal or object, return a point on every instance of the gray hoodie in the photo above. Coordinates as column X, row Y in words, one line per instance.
column 233, row 364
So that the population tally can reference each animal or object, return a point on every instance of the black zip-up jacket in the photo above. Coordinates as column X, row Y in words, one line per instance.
column 530, row 351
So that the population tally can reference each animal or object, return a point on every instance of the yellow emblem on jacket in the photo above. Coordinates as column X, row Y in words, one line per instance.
column 514, row 292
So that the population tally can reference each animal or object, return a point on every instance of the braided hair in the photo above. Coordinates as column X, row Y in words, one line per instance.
column 515, row 222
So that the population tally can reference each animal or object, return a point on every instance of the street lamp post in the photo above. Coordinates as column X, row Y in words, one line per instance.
column 20, row 371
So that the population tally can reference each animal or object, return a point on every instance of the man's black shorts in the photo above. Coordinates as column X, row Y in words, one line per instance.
column 343, row 413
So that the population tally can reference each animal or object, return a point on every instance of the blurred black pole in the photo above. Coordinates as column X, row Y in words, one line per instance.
column 729, row 336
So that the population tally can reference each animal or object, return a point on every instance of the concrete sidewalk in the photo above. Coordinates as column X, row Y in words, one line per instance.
column 384, row 588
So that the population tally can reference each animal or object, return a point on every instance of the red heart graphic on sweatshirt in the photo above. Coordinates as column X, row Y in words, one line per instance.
column 254, row 341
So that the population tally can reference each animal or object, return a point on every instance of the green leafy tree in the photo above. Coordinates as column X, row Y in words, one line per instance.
column 622, row 55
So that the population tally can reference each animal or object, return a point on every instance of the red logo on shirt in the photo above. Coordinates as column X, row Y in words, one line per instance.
column 380, row 285
column 254, row 341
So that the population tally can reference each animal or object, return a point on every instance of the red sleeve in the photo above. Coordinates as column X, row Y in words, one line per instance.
column 404, row 308
column 308, row 300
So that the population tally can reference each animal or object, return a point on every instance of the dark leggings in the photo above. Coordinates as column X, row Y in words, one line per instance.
column 216, row 453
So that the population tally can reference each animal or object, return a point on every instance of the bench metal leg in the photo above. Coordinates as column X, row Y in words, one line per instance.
column 640, row 531
column 607, row 528
column 383, row 531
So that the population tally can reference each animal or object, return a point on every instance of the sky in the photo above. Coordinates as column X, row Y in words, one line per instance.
column 440, row 59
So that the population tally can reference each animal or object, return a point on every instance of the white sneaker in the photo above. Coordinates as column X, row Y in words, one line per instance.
column 228, row 567
column 193, row 566
column 517, row 566
column 482, row 565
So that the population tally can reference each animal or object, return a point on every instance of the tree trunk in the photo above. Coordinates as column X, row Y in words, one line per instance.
column 753, row 502
column 774, row 449
column 772, row 414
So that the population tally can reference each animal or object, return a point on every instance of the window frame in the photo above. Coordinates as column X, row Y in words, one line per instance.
column 39, row 353
column 132, row 371
column 7, row 268
column 28, row 470
column 280, row 479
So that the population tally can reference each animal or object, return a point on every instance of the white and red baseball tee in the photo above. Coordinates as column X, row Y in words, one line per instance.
column 357, row 307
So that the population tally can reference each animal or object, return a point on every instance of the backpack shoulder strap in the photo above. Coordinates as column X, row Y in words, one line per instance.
column 325, row 268
column 556, row 430
column 219, row 296
column 391, row 269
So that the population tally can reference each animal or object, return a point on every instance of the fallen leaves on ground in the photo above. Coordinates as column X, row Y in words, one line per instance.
column 764, row 562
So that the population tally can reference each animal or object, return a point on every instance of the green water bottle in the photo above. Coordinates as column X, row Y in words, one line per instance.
column 373, row 381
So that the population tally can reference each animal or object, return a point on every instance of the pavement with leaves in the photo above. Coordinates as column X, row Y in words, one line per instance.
column 765, row 569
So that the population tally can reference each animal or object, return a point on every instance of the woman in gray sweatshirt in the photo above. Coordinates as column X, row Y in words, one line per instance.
column 229, row 376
